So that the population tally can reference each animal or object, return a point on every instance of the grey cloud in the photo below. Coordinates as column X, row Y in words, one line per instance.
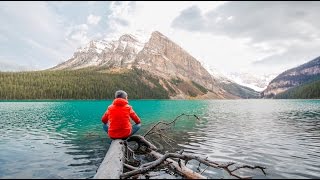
column 36, row 35
column 133, row 6
column 260, row 21
column 122, row 22
column 292, row 27
column 294, row 55
column 190, row 19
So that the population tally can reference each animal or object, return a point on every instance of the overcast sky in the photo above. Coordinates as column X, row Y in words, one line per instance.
column 260, row 37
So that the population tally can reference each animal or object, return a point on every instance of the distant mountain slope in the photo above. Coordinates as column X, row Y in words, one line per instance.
column 292, row 78
column 309, row 90
column 240, row 91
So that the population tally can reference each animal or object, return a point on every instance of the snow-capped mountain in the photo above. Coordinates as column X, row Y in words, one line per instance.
column 253, row 81
column 159, row 55
column 110, row 54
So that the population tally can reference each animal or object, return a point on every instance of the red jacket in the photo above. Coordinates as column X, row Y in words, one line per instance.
column 118, row 115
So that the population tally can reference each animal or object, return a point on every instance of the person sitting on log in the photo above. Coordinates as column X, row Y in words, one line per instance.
column 116, row 120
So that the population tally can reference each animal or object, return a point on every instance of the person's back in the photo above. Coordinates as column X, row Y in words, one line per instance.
column 118, row 116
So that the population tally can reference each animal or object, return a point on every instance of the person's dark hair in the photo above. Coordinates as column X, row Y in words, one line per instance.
column 121, row 94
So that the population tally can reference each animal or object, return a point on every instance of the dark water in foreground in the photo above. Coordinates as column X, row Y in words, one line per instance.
column 64, row 139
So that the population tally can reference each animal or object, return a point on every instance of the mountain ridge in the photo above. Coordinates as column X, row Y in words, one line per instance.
column 292, row 78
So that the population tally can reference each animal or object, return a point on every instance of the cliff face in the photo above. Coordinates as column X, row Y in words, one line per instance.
column 293, row 78
column 164, row 58
column 178, row 72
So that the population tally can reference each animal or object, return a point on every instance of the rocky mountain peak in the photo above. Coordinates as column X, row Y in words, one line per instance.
column 157, row 34
column 128, row 38
column 167, row 59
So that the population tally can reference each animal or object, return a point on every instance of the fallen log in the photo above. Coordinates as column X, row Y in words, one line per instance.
column 112, row 164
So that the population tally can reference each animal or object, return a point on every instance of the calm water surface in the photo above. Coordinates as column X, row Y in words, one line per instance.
column 64, row 139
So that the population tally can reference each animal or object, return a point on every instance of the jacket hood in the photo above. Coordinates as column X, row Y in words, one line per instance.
column 120, row 102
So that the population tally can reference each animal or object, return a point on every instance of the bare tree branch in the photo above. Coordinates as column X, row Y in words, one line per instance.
column 204, row 170
column 169, row 123
column 150, row 166
column 205, row 161
column 141, row 140
column 162, row 135
column 250, row 167
column 129, row 166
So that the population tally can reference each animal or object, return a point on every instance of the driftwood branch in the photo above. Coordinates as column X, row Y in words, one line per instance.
column 159, row 130
column 205, row 161
column 172, row 164
column 180, row 168
column 142, row 141
column 204, row 170
column 168, row 123
column 150, row 166
column 174, row 160
column 129, row 166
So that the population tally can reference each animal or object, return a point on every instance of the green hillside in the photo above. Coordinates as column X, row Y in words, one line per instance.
column 79, row 84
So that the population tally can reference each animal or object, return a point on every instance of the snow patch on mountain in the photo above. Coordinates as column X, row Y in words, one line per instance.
column 253, row 81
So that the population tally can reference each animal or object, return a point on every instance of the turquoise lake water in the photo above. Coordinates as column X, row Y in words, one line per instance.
column 64, row 139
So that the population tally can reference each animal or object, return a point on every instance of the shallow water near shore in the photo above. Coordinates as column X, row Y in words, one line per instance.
column 64, row 139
